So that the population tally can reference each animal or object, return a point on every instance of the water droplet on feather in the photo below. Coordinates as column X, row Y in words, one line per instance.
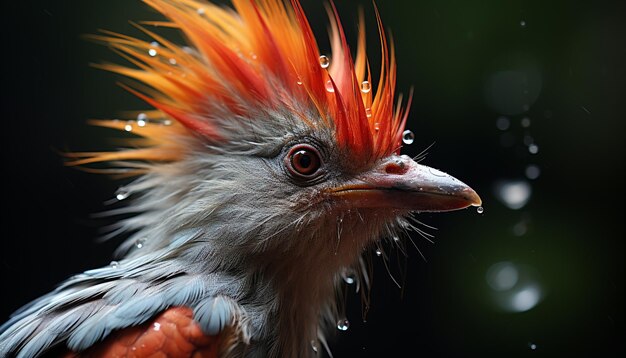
column 324, row 61
column 366, row 87
column 121, row 194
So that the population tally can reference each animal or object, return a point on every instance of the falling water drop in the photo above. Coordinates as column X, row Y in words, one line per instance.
column 503, row 123
column 366, row 87
column 343, row 324
column 480, row 210
column 379, row 252
column 172, row 61
column 532, row 346
column 408, row 137
column 128, row 127
column 528, row 140
column 156, row 326
column 513, row 193
column 200, row 11
column 324, row 61
column 522, row 23
column 114, row 264
column 152, row 52
column 167, row 122
column 520, row 228
column 368, row 112
column 525, row 122
column 121, row 194
column 533, row 149
column 298, row 82
column 532, row 171
column 314, row 346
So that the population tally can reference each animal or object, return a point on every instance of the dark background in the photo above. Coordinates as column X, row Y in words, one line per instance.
column 558, row 64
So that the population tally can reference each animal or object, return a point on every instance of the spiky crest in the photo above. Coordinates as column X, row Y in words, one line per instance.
column 263, row 56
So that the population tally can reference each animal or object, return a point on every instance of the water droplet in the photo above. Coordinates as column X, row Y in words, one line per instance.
column 114, row 264
column 408, row 137
column 525, row 122
column 200, row 11
column 528, row 140
column 533, row 149
column 298, row 82
column 172, row 61
column 366, row 87
column 128, row 127
column 348, row 277
column 156, row 326
column 368, row 112
column 532, row 172
column 514, row 194
column 522, row 23
column 329, row 86
column 502, row 276
column 379, row 252
column 152, row 52
column 167, row 122
column 532, row 346
column 154, row 44
column 324, row 61
column 480, row 210
column 343, row 324
column 121, row 194
column 520, row 228
column 396, row 238
column 503, row 123
column 314, row 345
column 376, row 126
column 140, row 242
column 142, row 119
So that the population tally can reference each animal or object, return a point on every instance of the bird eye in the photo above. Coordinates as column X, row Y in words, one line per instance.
column 303, row 161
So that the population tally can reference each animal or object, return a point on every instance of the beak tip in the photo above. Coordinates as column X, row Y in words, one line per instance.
column 472, row 197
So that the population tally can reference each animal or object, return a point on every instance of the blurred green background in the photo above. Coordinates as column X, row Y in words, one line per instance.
column 523, row 100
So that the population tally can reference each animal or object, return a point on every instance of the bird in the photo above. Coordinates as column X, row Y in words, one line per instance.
column 262, row 172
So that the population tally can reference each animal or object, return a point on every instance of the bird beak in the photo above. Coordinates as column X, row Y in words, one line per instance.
column 400, row 183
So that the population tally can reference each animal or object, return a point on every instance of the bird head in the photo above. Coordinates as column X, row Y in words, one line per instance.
column 261, row 153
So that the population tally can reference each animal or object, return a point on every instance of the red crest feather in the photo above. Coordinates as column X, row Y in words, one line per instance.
column 263, row 53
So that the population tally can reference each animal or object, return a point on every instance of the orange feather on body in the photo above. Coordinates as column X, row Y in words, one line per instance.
column 173, row 333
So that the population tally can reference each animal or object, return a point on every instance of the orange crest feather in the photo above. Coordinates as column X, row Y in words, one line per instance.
column 262, row 54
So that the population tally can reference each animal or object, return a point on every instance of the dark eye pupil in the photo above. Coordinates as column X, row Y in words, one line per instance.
column 304, row 159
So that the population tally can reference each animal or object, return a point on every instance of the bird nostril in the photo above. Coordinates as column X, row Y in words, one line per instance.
column 396, row 167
